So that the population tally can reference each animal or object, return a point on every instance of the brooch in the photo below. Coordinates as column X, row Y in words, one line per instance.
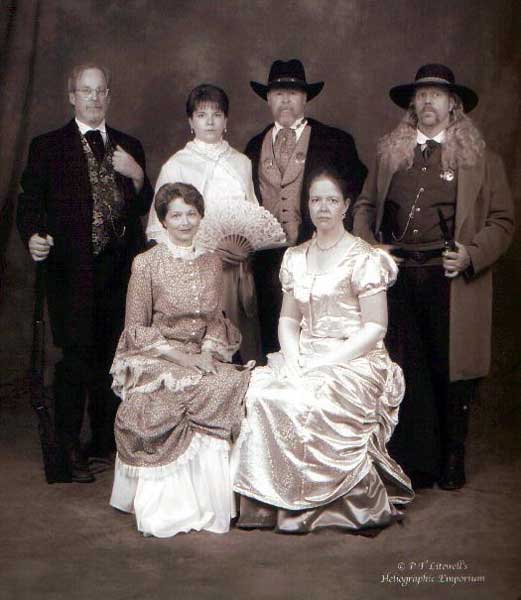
column 447, row 175
column 268, row 163
column 300, row 158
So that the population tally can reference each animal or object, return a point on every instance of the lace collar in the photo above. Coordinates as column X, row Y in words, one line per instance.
column 183, row 252
column 213, row 151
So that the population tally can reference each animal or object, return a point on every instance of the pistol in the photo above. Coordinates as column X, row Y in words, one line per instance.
column 448, row 239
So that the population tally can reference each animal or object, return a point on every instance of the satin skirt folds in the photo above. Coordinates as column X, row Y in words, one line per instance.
column 320, row 442
column 365, row 508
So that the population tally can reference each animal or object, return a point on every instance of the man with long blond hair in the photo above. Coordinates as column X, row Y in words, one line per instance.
column 439, row 201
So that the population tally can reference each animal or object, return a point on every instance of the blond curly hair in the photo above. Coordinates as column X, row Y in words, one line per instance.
column 463, row 145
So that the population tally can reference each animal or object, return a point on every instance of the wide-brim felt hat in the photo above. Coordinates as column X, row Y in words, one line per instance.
column 287, row 74
column 434, row 75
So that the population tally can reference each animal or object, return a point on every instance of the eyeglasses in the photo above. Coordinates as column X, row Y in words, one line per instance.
column 86, row 92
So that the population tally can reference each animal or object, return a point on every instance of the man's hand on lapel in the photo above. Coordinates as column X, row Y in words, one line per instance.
column 125, row 164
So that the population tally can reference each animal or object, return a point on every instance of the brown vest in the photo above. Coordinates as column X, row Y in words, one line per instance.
column 281, row 194
column 411, row 217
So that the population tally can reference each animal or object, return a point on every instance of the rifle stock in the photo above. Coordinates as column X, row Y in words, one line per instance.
column 55, row 462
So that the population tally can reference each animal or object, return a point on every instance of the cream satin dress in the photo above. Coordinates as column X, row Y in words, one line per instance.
column 315, row 448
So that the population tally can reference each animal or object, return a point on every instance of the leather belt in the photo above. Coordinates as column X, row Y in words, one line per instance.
column 418, row 256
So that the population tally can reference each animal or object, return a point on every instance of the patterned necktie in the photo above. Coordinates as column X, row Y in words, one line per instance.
column 96, row 144
column 430, row 146
column 284, row 147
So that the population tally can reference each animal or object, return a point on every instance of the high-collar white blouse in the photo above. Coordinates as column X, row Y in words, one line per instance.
column 218, row 171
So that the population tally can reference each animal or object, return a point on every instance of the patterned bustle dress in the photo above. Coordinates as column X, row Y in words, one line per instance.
column 174, row 425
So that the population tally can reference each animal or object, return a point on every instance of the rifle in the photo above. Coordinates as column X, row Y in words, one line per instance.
column 55, row 461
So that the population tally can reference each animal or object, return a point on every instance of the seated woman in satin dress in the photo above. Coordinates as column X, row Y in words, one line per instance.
column 181, row 400
column 222, row 175
column 312, row 450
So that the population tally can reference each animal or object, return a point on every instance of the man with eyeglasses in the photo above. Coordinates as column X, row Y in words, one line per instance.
column 84, row 190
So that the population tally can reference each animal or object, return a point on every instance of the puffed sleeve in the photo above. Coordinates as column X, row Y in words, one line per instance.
column 374, row 271
column 140, row 341
column 139, row 334
column 286, row 272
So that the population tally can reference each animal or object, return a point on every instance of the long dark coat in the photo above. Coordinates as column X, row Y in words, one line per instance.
column 485, row 226
column 57, row 196
column 328, row 146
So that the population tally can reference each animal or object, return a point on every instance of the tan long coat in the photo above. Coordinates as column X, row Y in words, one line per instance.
column 484, row 225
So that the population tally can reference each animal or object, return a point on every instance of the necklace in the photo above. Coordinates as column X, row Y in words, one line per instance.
column 332, row 245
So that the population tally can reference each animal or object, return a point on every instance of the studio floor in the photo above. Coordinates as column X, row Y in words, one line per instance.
column 64, row 541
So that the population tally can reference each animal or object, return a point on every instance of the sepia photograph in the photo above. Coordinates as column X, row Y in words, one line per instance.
column 260, row 298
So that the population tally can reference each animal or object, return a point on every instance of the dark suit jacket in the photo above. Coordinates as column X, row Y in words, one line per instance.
column 56, row 198
column 328, row 146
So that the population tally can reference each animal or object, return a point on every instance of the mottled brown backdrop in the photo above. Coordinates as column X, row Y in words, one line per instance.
column 158, row 50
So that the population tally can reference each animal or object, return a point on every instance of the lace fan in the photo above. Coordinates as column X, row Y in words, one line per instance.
column 235, row 227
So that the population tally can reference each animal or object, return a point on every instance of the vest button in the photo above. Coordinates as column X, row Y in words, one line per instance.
column 424, row 169
column 415, row 231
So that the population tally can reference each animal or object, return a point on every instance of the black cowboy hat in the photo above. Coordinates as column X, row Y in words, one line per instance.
column 288, row 74
column 433, row 75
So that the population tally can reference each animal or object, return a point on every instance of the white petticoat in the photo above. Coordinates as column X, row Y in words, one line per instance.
column 193, row 492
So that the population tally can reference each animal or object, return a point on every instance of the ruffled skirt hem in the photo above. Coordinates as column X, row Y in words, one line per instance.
column 192, row 493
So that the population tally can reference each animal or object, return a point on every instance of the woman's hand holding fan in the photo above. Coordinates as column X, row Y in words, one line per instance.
column 234, row 229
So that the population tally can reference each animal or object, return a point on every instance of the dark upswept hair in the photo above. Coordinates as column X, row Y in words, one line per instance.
column 206, row 93
column 333, row 174
column 170, row 191
column 75, row 74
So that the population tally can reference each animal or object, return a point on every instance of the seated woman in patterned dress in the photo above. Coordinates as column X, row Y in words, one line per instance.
column 181, row 399
column 312, row 450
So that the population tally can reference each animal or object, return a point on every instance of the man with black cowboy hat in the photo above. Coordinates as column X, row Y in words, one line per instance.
column 84, row 190
column 283, row 156
column 439, row 201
